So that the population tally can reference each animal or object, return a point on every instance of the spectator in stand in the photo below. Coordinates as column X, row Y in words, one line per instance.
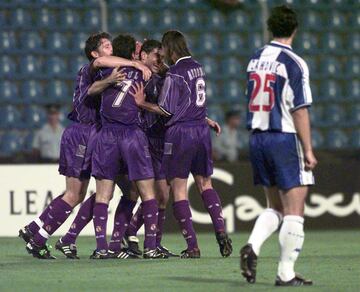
column 46, row 143
column 226, row 145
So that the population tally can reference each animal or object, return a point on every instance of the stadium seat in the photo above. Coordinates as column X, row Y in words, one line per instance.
column 77, row 63
column 7, row 66
column 233, row 43
column 31, row 41
column 30, row 65
column 143, row 20
column 311, row 19
column 46, row 18
column 92, row 20
column 232, row 91
column 354, row 116
column 20, row 17
column 119, row 20
column 353, row 66
column 353, row 89
column 212, row 91
column 210, row 66
column 34, row 116
column 192, row 20
column 355, row 139
column 7, row 41
column 10, row 117
column 208, row 43
column 56, row 66
column 355, row 19
column 255, row 41
column 331, row 90
column 8, row 91
column 3, row 18
column 312, row 63
column 56, row 42
column 167, row 20
column 70, row 19
column 243, row 139
column 330, row 66
column 32, row 90
column 317, row 138
column 306, row 42
column 336, row 20
column 334, row 116
column 215, row 20
column 28, row 141
column 354, row 42
column 57, row 91
column 331, row 42
column 238, row 20
column 316, row 115
column 120, row 3
column 231, row 67
column 216, row 113
column 11, row 143
column 78, row 42
column 337, row 139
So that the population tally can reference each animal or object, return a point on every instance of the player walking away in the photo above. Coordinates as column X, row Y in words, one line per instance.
column 187, row 145
column 123, row 145
column 75, row 156
column 281, row 154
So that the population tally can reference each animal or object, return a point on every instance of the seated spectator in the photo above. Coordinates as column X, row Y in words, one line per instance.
column 226, row 145
column 46, row 143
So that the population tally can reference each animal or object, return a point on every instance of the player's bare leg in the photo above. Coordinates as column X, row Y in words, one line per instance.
column 291, row 236
column 60, row 211
column 183, row 215
column 266, row 224
column 104, row 193
column 213, row 205
column 146, row 190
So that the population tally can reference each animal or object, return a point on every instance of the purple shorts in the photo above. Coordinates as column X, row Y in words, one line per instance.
column 156, row 147
column 187, row 149
column 120, row 149
column 77, row 145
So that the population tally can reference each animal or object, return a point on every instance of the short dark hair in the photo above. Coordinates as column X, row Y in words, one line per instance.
column 124, row 46
column 230, row 114
column 175, row 42
column 149, row 45
column 94, row 42
column 282, row 21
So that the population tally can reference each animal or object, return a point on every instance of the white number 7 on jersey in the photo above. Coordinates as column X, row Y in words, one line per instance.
column 125, row 86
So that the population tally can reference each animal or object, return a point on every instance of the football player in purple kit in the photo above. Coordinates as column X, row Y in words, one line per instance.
column 187, row 147
column 123, row 147
column 281, row 154
column 76, row 149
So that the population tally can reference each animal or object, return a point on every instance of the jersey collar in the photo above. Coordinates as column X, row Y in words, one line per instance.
column 280, row 45
column 183, row 58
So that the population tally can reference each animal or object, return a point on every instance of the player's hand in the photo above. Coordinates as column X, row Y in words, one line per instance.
column 146, row 72
column 214, row 126
column 137, row 91
column 116, row 76
column 310, row 160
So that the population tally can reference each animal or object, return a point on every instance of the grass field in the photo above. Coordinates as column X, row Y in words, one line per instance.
column 331, row 259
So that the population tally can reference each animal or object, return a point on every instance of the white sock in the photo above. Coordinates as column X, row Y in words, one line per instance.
column 266, row 224
column 39, row 222
column 291, row 239
column 44, row 233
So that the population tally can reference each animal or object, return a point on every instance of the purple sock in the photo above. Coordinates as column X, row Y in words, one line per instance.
column 122, row 218
column 150, row 211
column 160, row 226
column 182, row 214
column 82, row 218
column 35, row 225
column 213, row 206
column 56, row 217
column 100, row 217
column 136, row 222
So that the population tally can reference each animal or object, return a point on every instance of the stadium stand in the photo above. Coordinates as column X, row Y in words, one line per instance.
column 42, row 51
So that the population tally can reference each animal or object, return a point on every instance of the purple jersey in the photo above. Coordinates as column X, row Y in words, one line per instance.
column 183, row 95
column 85, row 107
column 117, row 104
column 153, row 124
